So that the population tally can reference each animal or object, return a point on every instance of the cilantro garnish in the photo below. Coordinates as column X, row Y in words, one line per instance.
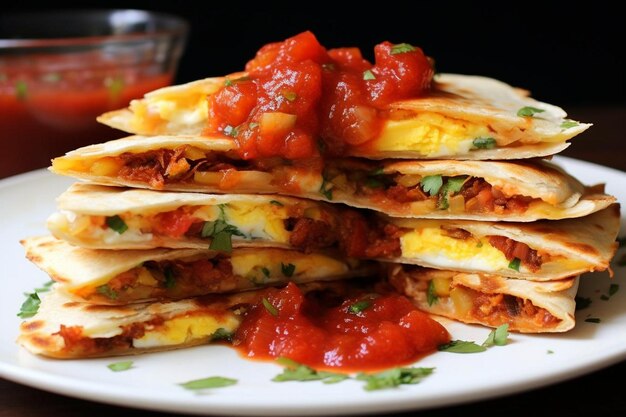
column 514, row 264
column 529, row 111
column 269, row 307
column 30, row 306
column 368, row 75
column 117, row 224
column 582, row 302
column 325, row 190
column 295, row 371
column 613, row 288
column 210, row 382
column 432, row 184
column 276, row 203
column 452, row 185
column 106, row 291
column 497, row 337
column 288, row 269
column 431, row 295
column 265, row 272
column 393, row 377
column 222, row 334
column 592, row 320
column 402, row 48
column 220, row 232
column 231, row 131
column 484, row 143
column 359, row 306
column 120, row 366
column 568, row 124
column 170, row 279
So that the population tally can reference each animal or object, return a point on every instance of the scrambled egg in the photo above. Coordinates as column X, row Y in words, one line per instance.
column 432, row 246
column 430, row 134
column 185, row 329
column 263, row 221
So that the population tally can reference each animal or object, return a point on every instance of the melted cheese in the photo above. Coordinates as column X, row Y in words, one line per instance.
column 186, row 329
column 432, row 246
column 430, row 134
column 264, row 221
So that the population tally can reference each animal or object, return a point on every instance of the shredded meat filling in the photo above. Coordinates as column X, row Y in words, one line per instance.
column 513, row 249
column 501, row 308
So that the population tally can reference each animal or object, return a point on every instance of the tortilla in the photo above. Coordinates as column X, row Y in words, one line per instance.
column 538, row 251
column 490, row 300
column 117, row 277
column 443, row 124
column 185, row 163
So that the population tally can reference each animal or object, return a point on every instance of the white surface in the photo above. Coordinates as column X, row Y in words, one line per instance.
column 524, row 363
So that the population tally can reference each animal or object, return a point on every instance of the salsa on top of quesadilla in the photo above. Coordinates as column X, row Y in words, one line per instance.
column 298, row 100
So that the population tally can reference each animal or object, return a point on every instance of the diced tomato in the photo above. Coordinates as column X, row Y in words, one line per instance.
column 173, row 223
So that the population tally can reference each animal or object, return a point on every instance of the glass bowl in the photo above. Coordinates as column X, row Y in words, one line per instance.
column 59, row 70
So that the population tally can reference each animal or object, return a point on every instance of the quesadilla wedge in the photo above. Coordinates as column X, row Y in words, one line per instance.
column 461, row 117
column 126, row 276
column 538, row 251
column 101, row 217
column 490, row 300
column 486, row 190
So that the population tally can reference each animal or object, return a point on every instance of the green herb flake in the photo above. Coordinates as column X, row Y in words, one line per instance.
column 231, row 131
column 479, row 244
column 359, row 306
column 222, row 334
column 498, row 336
column 266, row 272
column 582, row 302
column 253, row 125
column 549, row 352
column 107, row 291
column 393, row 377
column 21, row 90
column 514, row 264
column 613, row 289
column 605, row 297
column 288, row 269
column 220, row 232
column 461, row 346
column 269, row 307
column 45, row 287
column 295, row 371
column 170, row 279
column 290, row 95
column 592, row 320
column 402, row 48
column 207, row 383
column 432, row 184
column 117, row 224
column 431, row 295
column 228, row 82
column 368, row 75
column 326, row 189
column 30, row 306
column 568, row 124
column 276, row 203
column 452, row 185
column 484, row 143
column 120, row 366
column 529, row 111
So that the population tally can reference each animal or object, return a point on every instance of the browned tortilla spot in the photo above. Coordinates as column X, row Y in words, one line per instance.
column 32, row 325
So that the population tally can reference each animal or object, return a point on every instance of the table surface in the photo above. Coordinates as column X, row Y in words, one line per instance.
column 597, row 394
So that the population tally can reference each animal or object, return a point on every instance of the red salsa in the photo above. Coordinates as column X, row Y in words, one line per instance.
column 297, row 97
column 365, row 333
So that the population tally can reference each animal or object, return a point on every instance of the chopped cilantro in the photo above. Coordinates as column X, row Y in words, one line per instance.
column 613, row 289
column 170, row 279
column 529, row 111
column 514, row 264
column 276, row 203
column 549, row 352
column 266, row 272
column 269, row 307
column 325, row 190
column 368, row 75
column 288, row 269
column 107, row 291
column 497, row 336
column 461, row 346
column 568, row 124
column 582, row 302
column 45, row 287
column 30, row 306
column 402, row 48
column 231, row 131
column 220, row 233
column 592, row 320
column 393, row 377
column 120, row 366
column 295, row 371
column 117, row 224
column 432, row 184
column 431, row 295
column 359, row 306
column 210, row 382
column 253, row 125
column 484, row 143
column 222, row 334
column 452, row 185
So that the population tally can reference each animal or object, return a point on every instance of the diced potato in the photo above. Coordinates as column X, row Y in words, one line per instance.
column 457, row 204
column 462, row 300
column 194, row 153
column 106, row 167
column 276, row 122
column 146, row 278
column 442, row 286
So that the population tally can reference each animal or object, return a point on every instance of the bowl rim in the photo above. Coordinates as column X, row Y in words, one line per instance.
column 180, row 27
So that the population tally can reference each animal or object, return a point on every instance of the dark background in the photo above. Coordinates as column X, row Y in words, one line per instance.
column 563, row 54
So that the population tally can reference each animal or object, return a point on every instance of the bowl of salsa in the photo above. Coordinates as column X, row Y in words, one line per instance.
column 59, row 70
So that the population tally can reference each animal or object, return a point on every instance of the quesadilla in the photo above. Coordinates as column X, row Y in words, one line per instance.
column 490, row 300
column 462, row 117
column 537, row 251
column 101, row 217
column 127, row 276
column 486, row 190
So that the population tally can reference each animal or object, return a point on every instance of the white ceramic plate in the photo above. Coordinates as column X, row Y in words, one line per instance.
column 527, row 361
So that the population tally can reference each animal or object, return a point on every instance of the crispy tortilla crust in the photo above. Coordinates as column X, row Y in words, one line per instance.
column 547, row 306
column 591, row 240
column 477, row 99
column 76, row 268
column 540, row 180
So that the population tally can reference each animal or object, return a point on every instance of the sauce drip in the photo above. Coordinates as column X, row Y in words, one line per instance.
column 365, row 333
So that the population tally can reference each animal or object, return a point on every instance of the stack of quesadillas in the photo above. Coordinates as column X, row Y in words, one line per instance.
column 154, row 248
